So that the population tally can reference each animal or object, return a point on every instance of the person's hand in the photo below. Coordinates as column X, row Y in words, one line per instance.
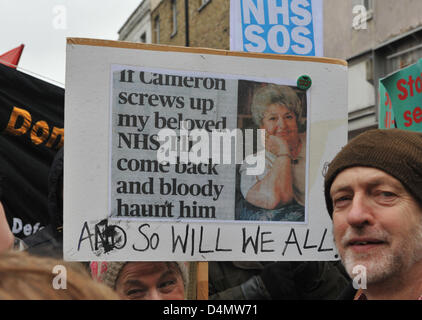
column 276, row 145
column 6, row 235
column 278, row 278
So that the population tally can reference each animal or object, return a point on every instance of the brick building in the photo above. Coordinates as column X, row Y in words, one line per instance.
column 194, row 23
column 210, row 24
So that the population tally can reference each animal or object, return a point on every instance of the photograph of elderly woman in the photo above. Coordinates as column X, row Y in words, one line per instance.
column 278, row 194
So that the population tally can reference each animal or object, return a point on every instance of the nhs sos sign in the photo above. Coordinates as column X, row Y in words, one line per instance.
column 277, row 26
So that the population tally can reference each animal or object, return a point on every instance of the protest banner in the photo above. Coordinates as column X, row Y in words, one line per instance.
column 31, row 132
column 404, row 88
column 386, row 115
column 163, row 157
column 292, row 27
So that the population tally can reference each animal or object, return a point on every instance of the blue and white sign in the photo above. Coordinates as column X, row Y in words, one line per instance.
column 277, row 26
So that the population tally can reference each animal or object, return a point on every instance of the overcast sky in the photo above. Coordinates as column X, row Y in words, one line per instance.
column 43, row 25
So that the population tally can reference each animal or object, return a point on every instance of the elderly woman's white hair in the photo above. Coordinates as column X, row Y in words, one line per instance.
column 277, row 94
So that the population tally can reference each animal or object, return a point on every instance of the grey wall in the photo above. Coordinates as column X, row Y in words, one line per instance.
column 390, row 19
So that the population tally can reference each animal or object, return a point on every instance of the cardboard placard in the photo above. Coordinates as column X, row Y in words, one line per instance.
column 128, row 106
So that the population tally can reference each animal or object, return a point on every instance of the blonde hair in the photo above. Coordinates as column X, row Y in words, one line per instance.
column 277, row 94
column 27, row 277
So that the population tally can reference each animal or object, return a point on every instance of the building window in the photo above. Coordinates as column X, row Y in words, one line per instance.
column 174, row 17
column 202, row 4
column 157, row 29
column 143, row 37
column 403, row 57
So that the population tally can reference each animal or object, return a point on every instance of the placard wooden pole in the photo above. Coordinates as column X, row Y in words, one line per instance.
column 202, row 279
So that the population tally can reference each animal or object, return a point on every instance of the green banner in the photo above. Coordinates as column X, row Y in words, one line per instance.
column 386, row 115
column 404, row 88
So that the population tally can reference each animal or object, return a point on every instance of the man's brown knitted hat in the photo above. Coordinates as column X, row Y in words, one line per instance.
column 394, row 151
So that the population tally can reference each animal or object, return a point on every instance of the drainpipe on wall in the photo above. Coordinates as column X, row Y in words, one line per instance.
column 187, row 22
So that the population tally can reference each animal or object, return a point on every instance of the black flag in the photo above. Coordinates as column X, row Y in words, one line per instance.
column 31, row 132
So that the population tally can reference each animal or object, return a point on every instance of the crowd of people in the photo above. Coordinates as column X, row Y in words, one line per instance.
column 26, row 265
column 373, row 195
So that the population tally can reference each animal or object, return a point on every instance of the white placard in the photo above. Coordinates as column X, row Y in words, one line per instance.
column 122, row 203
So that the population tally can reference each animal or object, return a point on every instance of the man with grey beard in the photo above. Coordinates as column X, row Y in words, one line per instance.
column 373, row 193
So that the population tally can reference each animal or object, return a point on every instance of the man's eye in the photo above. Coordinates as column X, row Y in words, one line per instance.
column 386, row 195
column 341, row 201
column 135, row 292
column 167, row 283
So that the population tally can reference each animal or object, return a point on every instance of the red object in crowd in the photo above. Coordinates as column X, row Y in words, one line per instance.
column 11, row 58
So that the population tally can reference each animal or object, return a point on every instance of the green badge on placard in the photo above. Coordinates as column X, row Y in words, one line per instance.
column 304, row 82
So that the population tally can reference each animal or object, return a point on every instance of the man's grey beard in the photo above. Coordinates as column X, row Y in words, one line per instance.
column 389, row 264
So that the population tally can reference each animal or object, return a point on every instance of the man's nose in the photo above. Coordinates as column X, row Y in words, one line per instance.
column 360, row 213
column 154, row 294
